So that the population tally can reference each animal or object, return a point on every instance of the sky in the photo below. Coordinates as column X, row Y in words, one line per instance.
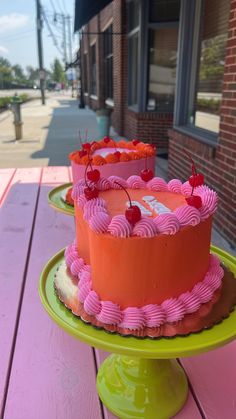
column 18, row 40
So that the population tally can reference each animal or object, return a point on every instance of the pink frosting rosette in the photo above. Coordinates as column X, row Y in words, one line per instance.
column 113, row 182
column 188, row 215
column 135, row 182
column 174, row 185
column 146, row 227
column 167, row 223
column 99, row 222
column 157, row 184
column 120, row 227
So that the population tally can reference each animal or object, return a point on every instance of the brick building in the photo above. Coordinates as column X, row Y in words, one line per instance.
column 167, row 69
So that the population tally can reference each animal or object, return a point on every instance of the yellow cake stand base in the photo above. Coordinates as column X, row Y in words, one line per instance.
column 144, row 380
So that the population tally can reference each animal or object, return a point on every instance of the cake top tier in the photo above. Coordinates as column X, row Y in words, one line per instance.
column 109, row 151
column 163, row 206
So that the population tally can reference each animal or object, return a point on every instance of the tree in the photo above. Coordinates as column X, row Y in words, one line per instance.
column 18, row 72
column 58, row 73
column 5, row 73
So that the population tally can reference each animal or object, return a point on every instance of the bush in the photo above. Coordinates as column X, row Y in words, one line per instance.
column 209, row 105
column 6, row 100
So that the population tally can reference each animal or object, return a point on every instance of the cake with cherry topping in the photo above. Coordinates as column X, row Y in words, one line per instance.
column 120, row 158
column 141, row 261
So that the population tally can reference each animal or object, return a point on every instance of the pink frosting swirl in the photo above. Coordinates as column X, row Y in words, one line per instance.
column 157, row 184
column 120, row 227
column 146, row 227
column 174, row 185
column 110, row 313
column 76, row 266
column 83, row 291
column 99, row 222
column 154, row 315
column 103, row 184
column 167, row 223
column 133, row 318
column 190, row 302
column 203, row 291
column 81, row 201
column 78, row 189
column 92, row 304
column 70, row 256
column 209, row 202
column 94, row 206
column 114, row 185
column 174, row 310
column 188, row 215
column 186, row 189
column 135, row 182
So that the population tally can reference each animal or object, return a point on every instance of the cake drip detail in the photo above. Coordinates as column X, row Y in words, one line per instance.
column 151, row 315
column 96, row 214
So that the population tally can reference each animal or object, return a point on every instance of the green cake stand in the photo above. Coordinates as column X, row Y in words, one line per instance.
column 55, row 199
column 142, row 379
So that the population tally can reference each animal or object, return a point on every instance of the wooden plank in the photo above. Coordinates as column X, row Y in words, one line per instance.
column 6, row 176
column 213, row 377
column 56, row 174
column 53, row 374
column 17, row 214
column 190, row 409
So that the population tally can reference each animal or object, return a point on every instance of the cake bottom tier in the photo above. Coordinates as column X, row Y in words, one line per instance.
column 74, row 290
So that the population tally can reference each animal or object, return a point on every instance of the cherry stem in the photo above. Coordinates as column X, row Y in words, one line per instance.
column 80, row 139
column 146, row 162
column 130, row 203
column 194, row 170
column 85, row 174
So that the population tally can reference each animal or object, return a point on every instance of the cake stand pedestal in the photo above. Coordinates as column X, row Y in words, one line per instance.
column 144, row 380
column 55, row 199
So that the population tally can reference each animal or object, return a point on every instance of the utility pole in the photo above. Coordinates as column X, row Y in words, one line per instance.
column 81, row 103
column 70, row 50
column 39, row 23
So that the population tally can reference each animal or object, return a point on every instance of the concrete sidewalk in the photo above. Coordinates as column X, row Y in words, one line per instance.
column 51, row 132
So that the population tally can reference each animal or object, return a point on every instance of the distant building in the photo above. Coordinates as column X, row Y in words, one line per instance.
column 167, row 68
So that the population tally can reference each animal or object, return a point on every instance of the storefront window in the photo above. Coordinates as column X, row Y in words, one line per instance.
column 93, row 70
column 133, row 50
column 163, row 44
column 205, row 104
column 108, row 63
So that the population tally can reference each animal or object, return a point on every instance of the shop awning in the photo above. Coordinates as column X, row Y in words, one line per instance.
column 86, row 9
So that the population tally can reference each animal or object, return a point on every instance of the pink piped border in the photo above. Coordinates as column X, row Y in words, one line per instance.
column 152, row 315
column 96, row 213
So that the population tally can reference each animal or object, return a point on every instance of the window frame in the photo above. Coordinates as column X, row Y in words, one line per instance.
column 107, row 57
column 93, row 82
column 189, row 51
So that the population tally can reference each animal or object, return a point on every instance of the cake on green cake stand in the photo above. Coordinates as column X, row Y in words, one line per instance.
column 56, row 199
column 142, row 379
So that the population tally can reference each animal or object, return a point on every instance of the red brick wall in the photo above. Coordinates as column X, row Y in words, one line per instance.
column 219, row 165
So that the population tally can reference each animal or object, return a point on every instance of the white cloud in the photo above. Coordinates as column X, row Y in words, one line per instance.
column 3, row 50
column 12, row 21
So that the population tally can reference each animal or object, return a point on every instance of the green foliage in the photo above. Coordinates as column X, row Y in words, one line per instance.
column 212, row 58
column 6, row 100
column 209, row 105
column 58, row 74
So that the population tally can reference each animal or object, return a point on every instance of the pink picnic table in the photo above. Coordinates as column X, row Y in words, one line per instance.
column 44, row 372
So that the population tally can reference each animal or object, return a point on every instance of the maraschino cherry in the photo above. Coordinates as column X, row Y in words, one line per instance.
column 106, row 140
column 133, row 213
column 135, row 142
column 196, row 179
column 146, row 174
column 91, row 191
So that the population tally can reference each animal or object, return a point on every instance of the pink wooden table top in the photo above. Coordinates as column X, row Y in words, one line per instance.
column 45, row 373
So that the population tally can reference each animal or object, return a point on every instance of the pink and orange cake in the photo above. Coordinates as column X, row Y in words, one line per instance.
column 120, row 158
column 141, row 265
